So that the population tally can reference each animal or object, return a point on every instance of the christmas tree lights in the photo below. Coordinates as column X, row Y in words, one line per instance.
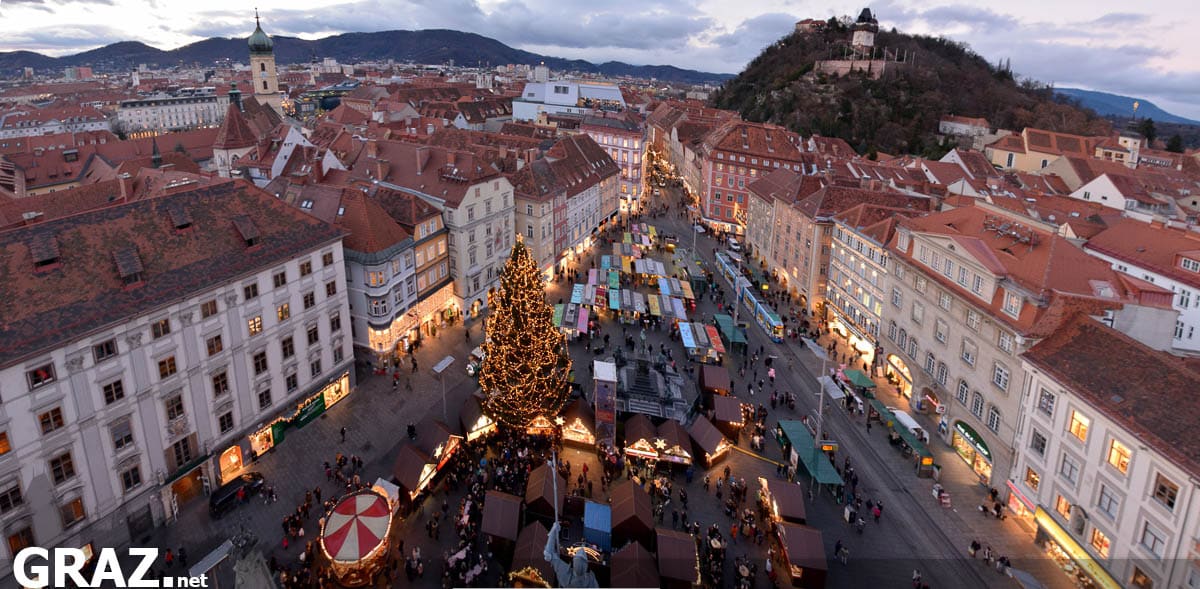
column 525, row 366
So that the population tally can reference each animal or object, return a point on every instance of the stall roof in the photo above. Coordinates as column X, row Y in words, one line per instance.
column 434, row 433
column 598, row 518
column 539, row 490
column 639, row 427
column 729, row 330
column 716, row 378
column 727, row 409
column 471, row 412
column 804, row 546
column 410, row 461
column 705, row 434
column 631, row 510
column 858, row 378
column 501, row 515
column 673, row 433
column 677, row 558
column 531, row 543
column 802, row 441
column 789, row 499
column 633, row 566
column 581, row 409
column 606, row 371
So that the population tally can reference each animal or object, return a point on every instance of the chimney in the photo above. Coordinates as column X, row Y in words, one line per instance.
column 422, row 159
column 451, row 158
column 126, row 185
column 381, row 169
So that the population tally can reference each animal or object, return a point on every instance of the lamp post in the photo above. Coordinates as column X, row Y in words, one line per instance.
column 819, row 352
column 438, row 369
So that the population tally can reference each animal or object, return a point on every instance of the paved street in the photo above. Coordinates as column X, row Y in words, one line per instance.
column 914, row 532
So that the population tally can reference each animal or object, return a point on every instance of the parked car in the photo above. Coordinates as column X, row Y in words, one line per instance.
column 225, row 498
column 734, row 244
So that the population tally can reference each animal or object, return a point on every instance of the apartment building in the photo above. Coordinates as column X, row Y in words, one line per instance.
column 625, row 141
column 735, row 154
column 165, row 113
column 1107, row 466
column 151, row 349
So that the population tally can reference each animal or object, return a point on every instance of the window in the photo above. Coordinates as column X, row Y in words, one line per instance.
column 174, row 407
column 1108, row 502
column 973, row 320
column 1152, row 539
column 892, row 331
column 305, row 268
column 166, row 367
column 335, row 323
column 920, row 283
column 104, row 350
column 1189, row 264
column 1100, row 543
column 1037, row 443
column 42, row 375
column 283, row 312
column 62, row 468
column 943, row 373
column 287, row 347
column 1032, row 478
column 944, row 301
column 326, row 259
column 1005, row 341
column 225, row 422
column 897, row 298
column 264, row 399
column 930, row 362
column 113, row 392
column 1062, row 506
column 1079, row 426
column 310, row 300
column 338, row 355
column 977, row 405
column 969, row 352
column 220, row 382
column 255, row 325
column 131, row 478
column 208, row 309
column 314, row 368
column 260, row 363
column 1165, row 491
column 1140, row 579
column 313, row 335
column 1046, row 402
column 10, row 498
column 918, row 312
column 279, row 279
column 160, row 328
column 291, row 382
column 1069, row 469
column 250, row 291
column 912, row 348
column 51, row 420
column 1118, row 456
column 330, row 288
column 1000, row 377
column 961, row 393
column 122, row 435
column 5, row 446
column 214, row 345
column 1012, row 304
column 940, row 330
column 993, row 419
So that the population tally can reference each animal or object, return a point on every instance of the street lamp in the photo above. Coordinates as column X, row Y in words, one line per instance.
column 819, row 352
column 438, row 369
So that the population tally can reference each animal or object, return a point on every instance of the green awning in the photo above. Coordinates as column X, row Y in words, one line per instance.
column 912, row 441
column 885, row 414
column 802, row 442
column 725, row 322
column 858, row 378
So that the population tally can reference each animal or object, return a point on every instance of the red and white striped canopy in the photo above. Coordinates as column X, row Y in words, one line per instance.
column 356, row 527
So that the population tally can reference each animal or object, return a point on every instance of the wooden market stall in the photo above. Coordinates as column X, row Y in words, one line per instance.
column 803, row 551
column 632, row 514
column 678, row 560
column 529, row 568
column 541, row 499
column 640, row 435
column 676, row 444
column 727, row 416
column 714, row 381
column 633, row 566
column 475, row 423
column 579, row 424
column 710, row 443
column 501, row 519
column 783, row 500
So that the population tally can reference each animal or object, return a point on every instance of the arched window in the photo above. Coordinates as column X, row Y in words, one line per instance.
column 993, row 419
column 264, row 84
column 262, row 67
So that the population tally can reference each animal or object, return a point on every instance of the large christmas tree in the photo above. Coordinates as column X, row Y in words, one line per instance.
column 525, row 366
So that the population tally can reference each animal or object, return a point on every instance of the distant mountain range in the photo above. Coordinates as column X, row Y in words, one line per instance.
column 1122, row 106
column 431, row 46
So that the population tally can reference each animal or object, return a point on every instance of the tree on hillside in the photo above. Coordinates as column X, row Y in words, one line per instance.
column 525, row 366
column 1146, row 128
column 1175, row 144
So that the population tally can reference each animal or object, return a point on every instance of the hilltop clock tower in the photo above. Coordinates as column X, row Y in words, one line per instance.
column 262, row 67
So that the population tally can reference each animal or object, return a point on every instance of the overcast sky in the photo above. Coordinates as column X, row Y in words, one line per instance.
column 1140, row 48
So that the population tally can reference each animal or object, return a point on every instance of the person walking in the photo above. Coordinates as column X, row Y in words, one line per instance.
column 343, row 433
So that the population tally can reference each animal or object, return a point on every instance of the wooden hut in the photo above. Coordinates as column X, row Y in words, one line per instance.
column 632, row 515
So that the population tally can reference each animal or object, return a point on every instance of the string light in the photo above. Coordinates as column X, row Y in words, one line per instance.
column 526, row 366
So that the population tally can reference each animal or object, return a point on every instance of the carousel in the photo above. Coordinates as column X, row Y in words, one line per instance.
column 355, row 537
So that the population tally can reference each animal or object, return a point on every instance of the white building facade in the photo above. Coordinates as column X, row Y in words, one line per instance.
column 163, row 114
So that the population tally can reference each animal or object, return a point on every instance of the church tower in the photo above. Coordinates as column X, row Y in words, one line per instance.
column 864, row 29
column 262, row 67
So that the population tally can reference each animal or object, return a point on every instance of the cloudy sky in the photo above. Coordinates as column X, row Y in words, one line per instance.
column 1129, row 48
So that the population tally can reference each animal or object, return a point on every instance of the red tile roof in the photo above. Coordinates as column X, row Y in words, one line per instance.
column 1153, row 247
column 1162, row 416
column 235, row 132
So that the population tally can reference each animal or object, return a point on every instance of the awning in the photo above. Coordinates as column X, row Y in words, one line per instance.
column 677, row 307
column 639, row 302
column 605, row 262
column 664, row 287
column 593, row 276
column 685, row 334
column 816, row 463
column 882, row 410
column 582, row 323
column 858, row 378
column 577, row 294
column 909, row 438
column 1072, row 547
column 626, row 263
column 725, row 322
column 652, row 300
column 614, row 299
column 714, row 337
column 614, row 279
column 558, row 314
column 831, row 388
column 686, row 289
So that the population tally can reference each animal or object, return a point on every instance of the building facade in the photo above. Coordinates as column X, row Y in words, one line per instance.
column 625, row 142
column 262, row 68
column 143, row 401
column 735, row 155
column 163, row 114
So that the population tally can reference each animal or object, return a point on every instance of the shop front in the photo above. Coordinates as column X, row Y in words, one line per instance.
column 973, row 450
column 898, row 374
column 1066, row 552
column 232, row 460
column 861, row 343
column 1018, row 504
column 268, row 435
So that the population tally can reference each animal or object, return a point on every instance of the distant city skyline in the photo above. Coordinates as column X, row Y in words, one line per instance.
column 1101, row 45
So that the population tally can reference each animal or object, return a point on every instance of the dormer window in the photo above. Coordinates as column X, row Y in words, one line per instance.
column 180, row 219
column 44, row 251
column 247, row 230
column 1012, row 304
column 129, row 265
column 306, row 204
column 1189, row 264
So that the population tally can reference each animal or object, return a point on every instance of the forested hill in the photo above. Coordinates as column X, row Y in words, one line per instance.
column 898, row 113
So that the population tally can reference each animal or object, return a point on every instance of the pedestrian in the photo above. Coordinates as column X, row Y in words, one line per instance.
column 868, row 425
column 343, row 433
column 876, row 512
column 169, row 559
column 706, row 480
column 916, row 579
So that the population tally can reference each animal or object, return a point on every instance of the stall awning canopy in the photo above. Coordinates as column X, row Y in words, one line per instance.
column 831, row 388
column 917, row 445
column 816, row 463
column 685, row 335
column 725, row 322
column 858, row 378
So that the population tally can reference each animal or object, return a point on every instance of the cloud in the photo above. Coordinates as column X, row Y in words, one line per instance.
column 65, row 39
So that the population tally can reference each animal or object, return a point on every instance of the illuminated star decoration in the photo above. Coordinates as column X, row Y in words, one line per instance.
column 559, row 420
column 661, row 443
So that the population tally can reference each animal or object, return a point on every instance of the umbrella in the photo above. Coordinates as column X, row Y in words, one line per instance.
column 357, row 526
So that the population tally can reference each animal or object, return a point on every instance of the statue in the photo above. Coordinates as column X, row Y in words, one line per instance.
column 574, row 575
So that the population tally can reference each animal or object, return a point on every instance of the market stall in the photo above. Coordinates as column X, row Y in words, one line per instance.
column 710, row 443
column 727, row 415
column 529, row 568
column 714, row 381
column 542, row 498
column 678, row 560
column 632, row 514
column 354, row 538
column 475, row 423
column 501, row 517
column 579, row 424
column 541, row 425
column 633, row 566
column 803, row 551
column 597, row 525
column 640, row 435
column 419, row 460
column 784, row 501
column 675, row 446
